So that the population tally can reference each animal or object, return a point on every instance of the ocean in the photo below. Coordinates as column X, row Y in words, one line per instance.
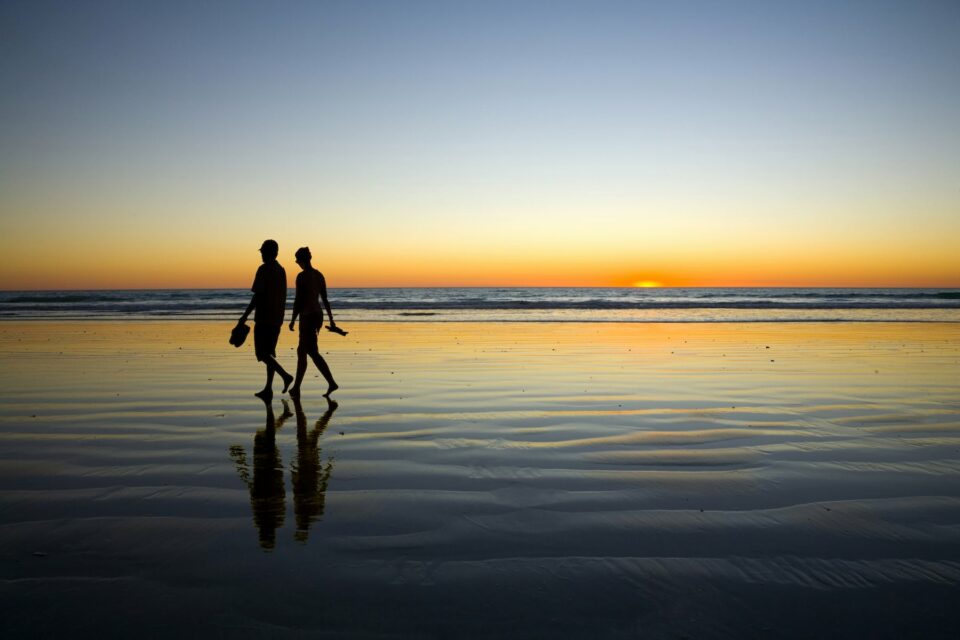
column 512, row 304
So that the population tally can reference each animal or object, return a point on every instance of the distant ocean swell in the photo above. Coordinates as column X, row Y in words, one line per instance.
column 513, row 304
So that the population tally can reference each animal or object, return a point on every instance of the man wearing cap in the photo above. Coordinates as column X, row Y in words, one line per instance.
column 268, row 302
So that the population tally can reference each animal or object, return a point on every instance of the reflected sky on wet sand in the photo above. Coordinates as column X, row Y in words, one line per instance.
column 483, row 479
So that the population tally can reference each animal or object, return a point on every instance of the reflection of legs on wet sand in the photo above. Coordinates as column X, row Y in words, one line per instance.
column 267, row 494
column 308, row 477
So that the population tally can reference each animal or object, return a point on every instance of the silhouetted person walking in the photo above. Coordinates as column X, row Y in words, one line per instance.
column 311, row 288
column 268, row 302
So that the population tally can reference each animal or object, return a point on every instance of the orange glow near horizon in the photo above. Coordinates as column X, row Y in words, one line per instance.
column 234, row 269
column 206, row 258
column 563, row 156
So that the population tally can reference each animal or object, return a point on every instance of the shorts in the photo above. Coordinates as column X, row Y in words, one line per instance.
column 309, row 328
column 265, row 338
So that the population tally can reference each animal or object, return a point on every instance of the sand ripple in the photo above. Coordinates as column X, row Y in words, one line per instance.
column 706, row 481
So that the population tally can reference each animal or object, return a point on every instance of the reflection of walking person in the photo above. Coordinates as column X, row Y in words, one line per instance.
column 311, row 288
column 268, row 302
column 266, row 486
column 308, row 477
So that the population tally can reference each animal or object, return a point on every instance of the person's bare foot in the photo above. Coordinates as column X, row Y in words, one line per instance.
column 333, row 387
column 264, row 394
column 287, row 379
column 294, row 392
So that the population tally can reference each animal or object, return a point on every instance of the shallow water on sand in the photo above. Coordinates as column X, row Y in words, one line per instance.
column 761, row 480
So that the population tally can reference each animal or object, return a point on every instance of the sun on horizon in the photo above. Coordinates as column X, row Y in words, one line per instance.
column 554, row 144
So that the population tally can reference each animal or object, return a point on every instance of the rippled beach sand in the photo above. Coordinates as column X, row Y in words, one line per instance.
column 478, row 480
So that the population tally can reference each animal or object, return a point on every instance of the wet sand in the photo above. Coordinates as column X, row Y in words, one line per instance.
column 478, row 480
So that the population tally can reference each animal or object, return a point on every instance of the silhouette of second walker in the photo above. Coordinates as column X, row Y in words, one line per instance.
column 311, row 289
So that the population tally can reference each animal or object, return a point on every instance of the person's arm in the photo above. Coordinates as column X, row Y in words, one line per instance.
column 323, row 296
column 293, row 318
column 256, row 288
column 297, row 303
column 250, row 307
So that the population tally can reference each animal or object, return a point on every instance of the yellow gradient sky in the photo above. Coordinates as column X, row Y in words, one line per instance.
column 520, row 143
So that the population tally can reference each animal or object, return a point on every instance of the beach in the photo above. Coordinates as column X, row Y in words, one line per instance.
column 483, row 479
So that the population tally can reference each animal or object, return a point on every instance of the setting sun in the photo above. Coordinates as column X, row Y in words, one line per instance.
column 647, row 284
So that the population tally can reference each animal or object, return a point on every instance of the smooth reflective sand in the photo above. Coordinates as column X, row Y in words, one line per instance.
column 529, row 480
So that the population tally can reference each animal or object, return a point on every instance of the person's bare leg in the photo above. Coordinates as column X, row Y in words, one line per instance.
column 301, row 370
column 325, row 372
column 267, row 392
column 286, row 377
column 274, row 367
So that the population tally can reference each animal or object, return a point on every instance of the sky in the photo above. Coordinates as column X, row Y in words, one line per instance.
column 456, row 143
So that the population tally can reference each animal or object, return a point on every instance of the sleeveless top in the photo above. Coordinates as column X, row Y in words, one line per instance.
column 309, row 286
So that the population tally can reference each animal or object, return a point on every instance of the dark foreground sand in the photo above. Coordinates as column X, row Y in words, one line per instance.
column 483, row 480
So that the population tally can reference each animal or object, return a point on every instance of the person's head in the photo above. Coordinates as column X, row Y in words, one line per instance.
column 269, row 250
column 303, row 256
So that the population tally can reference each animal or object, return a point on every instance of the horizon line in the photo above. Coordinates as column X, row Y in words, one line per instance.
column 48, row 290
